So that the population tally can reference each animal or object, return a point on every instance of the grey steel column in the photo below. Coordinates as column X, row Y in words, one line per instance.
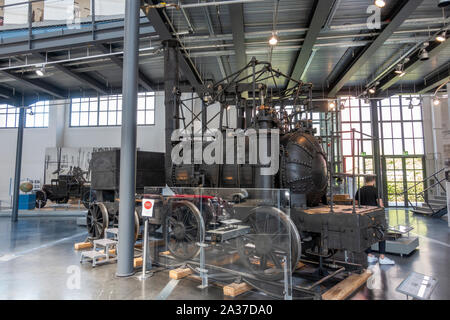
column 171, row 78
column 128, row 144
column 15, row 209
column 376, row 146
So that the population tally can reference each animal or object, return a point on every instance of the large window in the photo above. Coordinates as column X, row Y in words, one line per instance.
column 37, row 116
column 401, row 145
column 107, row 111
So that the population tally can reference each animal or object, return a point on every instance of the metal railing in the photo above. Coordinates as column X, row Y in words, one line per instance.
column 424, row 193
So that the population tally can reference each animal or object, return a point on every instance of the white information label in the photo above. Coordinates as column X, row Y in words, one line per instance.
column 147, row 207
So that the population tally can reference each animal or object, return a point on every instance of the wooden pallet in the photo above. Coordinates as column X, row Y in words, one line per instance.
column 346, row 287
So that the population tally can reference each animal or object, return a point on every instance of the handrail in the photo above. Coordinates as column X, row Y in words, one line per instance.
column 426, row 179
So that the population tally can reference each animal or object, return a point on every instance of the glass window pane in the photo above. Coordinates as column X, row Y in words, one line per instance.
column 406, row 113
column 417, row 113
column 398, row 146
column 418, row 143
column 345, row 115
column 84, row 116
column 387, row 144
column 141, row 117
column 408, row 129
column 112, row 118
column 365, row 114
column 150, row 118
column 102, row 120
column 354, row 113
column 75, row 107
column 395, row 113
column 397, row 130
column 418, row 132
column 409, row 146
column 93, row 118
column 75, row 119
column 387, row 130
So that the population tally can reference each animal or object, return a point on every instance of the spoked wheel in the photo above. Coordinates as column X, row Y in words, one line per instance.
column 97, row 220
column 136, row 224
column 87, row 198
column 273, row 237
column 41, row 199
column 185, row 230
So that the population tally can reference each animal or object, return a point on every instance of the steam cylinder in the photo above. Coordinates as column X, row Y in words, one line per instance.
column 303, row 168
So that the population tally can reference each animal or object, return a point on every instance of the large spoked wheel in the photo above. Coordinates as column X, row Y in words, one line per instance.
column 185, row 229
column 137, row 227
column 41, row 199
column 97, row 220
column 87, row 198
column 273, row 237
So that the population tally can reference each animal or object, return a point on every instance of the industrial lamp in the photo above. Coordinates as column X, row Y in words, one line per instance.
column 273, row 39
column 380, row 3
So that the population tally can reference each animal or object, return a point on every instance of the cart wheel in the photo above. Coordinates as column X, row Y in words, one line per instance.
column 97, row 220
column 137, row 225
column 273, row 237
column 87, row 198
column 185, row 230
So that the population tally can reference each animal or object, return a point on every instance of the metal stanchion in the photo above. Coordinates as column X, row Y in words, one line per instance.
column 146, row 258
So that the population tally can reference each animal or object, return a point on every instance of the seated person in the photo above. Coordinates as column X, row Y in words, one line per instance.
column 368, row 195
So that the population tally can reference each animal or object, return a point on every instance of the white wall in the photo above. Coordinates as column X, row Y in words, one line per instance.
column 60, row 134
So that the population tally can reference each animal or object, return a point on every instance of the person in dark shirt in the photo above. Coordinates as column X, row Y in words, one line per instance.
column 368, row 196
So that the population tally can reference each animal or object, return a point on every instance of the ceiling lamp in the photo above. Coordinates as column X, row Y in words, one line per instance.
column 40, row 71
column 441, row 37
column 423, row 54
column 380, row 3
column 443, row 3
column 399, row 68
column 332, row 105
column 372, row 90
column 273, row 41
column 436, row 101
column 402, row 74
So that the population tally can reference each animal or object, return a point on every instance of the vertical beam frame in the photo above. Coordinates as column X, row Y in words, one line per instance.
column 376, row 147
column 15, row 209
column 128, row 143
column 171, row 102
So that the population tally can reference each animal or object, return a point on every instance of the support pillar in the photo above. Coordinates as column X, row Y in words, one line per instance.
column 376, row 147
column 128, row 143
column 171, row 79
column 15, row 209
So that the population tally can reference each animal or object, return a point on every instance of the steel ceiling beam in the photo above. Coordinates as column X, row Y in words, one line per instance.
column 391, row 78
column 237, row 28
column 356, row 64
column 143, row 80
column 5, row 93
column 38, row 85
column 319, row 18
column 439, row 79
column 161, row 26
column 80, row 77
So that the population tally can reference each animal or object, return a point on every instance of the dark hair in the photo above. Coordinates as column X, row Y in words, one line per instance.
column 368, row 179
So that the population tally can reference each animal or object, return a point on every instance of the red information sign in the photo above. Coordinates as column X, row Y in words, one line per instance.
column 147, row 207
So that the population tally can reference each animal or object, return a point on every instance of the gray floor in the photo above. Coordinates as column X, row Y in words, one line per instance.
column 37, row 261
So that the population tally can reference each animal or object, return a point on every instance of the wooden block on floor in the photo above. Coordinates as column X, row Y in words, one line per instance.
column 165, row 253
column 83, row 245
column 112, row 251
column 179, row 273
column 137, row 262
column 346, row 287
column 235, row 289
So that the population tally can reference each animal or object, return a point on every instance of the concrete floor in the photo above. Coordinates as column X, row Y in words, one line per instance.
column 37, row 261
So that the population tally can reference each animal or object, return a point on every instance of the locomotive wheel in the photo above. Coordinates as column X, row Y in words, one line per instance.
column 263, row 249
column 137, row 227
column 185, row 230
column 41, row 199
column 97, row 220
column 87, row 198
